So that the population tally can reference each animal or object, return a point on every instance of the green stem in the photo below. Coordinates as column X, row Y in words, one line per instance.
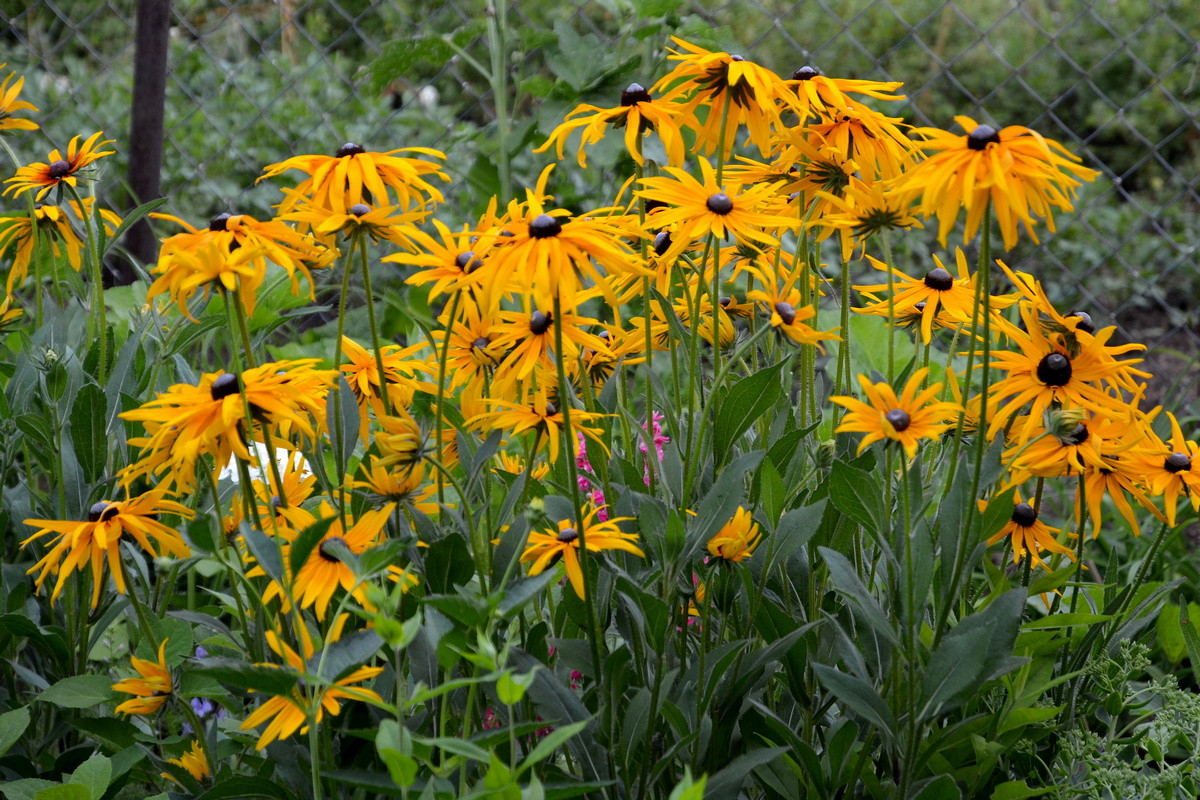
column 443, row 360
column 497, row 26
column 384, row 393
column 94, row 263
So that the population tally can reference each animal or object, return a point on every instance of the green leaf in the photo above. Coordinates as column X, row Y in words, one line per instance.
column 131, row 219
column 858, row 696
column 1020, row 717
column 448, row 563
column 264, row 549
column 306, row 542
column 246, row 788
column 80, row 691
column 940, row 788
column 518, row 593
column 858, row 495
column 66, row 791
column 268, row 680
column 88, row 420
column 847, row 582
column 1190, row 637
column 728, row 782
column 549, row 743
column 341, row 419
column 400, row 59
column 401, row 767
column 24, row 789
column 1018, row 790
column 742, row 404
column 95, row 774
column 12, row 725
column 345, row 655
column 1170, row 633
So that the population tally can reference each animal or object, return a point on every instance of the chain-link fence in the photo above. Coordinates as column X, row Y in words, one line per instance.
column 250, row 83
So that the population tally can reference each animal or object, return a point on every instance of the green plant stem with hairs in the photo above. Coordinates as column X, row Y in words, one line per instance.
column 384, row 394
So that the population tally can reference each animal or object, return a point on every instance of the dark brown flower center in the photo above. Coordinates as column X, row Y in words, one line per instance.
column 662, row 242
column 58, row 169
column 568, row 535
column 326, row 547
column 719, row 203
column 1076, row 437
column 1177, row 462
column 224, row 386
column 634, row 94
column 480, row 343
column 219, row 222
column 898, row 418
column 467, row 262
column 544, row 226
column 939, row 279
column 360, row 209
column 1054, row 370
column 805, row 73
column 654, row 205
column 786, row 312
column 539, row 322
column 982, row 136
column 1023, row 515
column 1085, row 321
column 349, row 149
column 103, row 511
column 551, row 409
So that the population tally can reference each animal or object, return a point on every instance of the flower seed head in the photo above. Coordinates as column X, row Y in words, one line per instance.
column 719, row 203
column 349, row 149
column 786, row 312
column 224, row 386
column 568, row 535
column 544, row 226
column 1177, row 462
column 102, row 512
column 1085, row 323
column 634, row 94
column 939, row 279
column 58, row 169
column 551, row 409
column 805, row 73
column 898, row 418
column 359, row 209
column 539, row 322
column 324, row 549
column 654, row 205
column 982, row 136
column 219, row 222
column 1054, row 370
column 467, row 262
column 1078, row 435
column 662, row 242
column 480, row 343
column 1024, row 515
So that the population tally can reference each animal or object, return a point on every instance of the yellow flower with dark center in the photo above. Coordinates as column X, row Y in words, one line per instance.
column 211, row 265
column 286, row 506
column 152, row 690
column 310, row 697
column 10, row 91
column 822, row 93
column 638, row 114
column 784, row 302
column 406, row 485
column 55, row 228
column 545, row 548
column 905, row 419
column 96, row 541
column 473, row 353
column 515, row 465
column 862, row 210
column 600, row 365
column 1050, row 368
column 541, row 416
column 60, row 169
column 529, row 340
column 187, row 421
column 872, row 140
column 400, row 441
column 1016, row 171
column 700, row 207
column 737, row 538
column 381, row 224
column 401, row 372
column 355, row 175
column 938, row 291
column 1169, row 469
column 730, row 92
column 1118, row 478
column 450, row 261
column 1059, row 445
column 194, row 761
column 1029, row 534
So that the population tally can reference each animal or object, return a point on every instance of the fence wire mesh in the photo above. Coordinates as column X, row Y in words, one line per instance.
column 253, row 82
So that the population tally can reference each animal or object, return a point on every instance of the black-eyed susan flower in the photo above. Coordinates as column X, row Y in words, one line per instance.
column 1016, row 171
column 187, row 421
column 354, row 175
column 737, row 538
column 472, row 350
column 822, row 93
column 784, row 302
column 861, row 211
column 193, row 761
column 96, row 541
column 528, row 339
column 151, row 690
column 212, row 265
column 1029, row 535
column 10, row 104
column 515, row 465
column 546, row 548
column 541, row 416
column 638, row 114
column 57, row 227
column 404, row 485
column 1168, row 468
column 309, row 698
column 875, row 142
column 379, row 223
column 906, row 418
column 699, row 207
column 402, row 373
column 59, row 169
column 939, row 291
column 720, row 92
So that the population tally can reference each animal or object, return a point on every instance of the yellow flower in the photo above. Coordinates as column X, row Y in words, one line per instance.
column 1015, row 170
column 784, row 302
column 355, row 175
column 10, row 90
column 905, row 419
column 822, row 93
column 542, row 417
column 545, row 548
column 638, row 114
column 97, row 540
column 60, row 169
column 384, row 223
column 737, row 538
column 1029, row 534
column 1170, row 468
column 194, row 761
column 152, row 690
column 54, row 227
